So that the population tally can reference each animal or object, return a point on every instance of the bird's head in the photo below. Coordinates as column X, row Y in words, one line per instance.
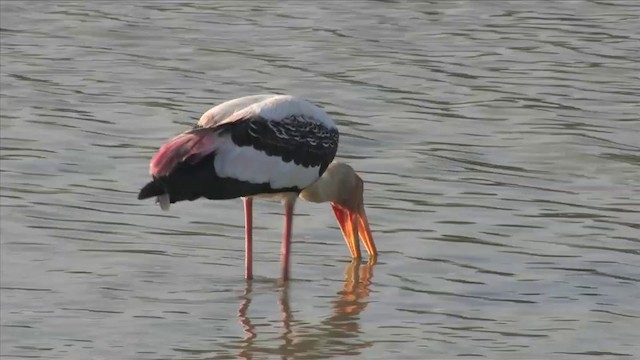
column 341, row 186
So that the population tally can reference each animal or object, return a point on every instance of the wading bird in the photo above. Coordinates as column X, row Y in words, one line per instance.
column 264, row 146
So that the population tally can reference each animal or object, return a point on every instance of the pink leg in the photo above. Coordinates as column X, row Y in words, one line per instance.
column 286, row 239
column 248, row 238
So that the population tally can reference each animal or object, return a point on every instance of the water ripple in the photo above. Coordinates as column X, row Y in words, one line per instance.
column 497, row 142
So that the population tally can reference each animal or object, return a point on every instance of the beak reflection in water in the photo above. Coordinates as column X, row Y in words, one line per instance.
column 338, row 334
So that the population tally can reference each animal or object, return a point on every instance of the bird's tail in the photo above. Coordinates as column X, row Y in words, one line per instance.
column 155, row 188
column 189, row 146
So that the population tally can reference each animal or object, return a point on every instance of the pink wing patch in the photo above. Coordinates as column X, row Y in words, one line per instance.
column 196, row 142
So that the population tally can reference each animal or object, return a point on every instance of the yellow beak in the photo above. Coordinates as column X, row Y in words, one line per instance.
column 353, row 224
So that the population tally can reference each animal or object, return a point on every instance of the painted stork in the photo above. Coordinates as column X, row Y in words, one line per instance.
column 274, row 146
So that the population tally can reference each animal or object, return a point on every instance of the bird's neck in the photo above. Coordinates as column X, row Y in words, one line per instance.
column 320, row 191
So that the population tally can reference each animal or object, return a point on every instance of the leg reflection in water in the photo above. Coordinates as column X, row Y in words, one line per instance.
column 337, row 334
column 246, row 322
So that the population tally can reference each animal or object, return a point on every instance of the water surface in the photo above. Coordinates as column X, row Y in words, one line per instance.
column 499, row 143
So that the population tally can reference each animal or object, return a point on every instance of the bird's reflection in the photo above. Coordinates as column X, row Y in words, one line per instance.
column 336, row 335
column 244, row 319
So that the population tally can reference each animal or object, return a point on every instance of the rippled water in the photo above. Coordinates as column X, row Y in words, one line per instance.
column 499, row 142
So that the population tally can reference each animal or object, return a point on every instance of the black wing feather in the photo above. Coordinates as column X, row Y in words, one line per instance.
column 306, row 143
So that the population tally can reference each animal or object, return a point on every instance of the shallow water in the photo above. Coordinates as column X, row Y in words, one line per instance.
column 499, row 142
